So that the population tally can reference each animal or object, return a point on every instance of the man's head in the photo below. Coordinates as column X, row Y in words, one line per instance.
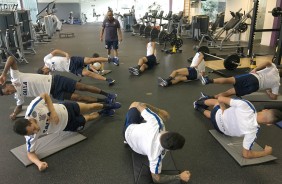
column 95, row 55
column 26, row 126
column 110, row 15
column 269, row 116
column 7, row 89
column 43, row 70
column 172, row 141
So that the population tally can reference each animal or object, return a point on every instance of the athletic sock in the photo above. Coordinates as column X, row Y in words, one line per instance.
column 100, row 100
column 138, row 67
column 201, row 109
column 169, row 83
column 169, row 79
column 103, row 93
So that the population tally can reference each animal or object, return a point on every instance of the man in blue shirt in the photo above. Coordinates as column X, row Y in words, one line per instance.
column 113, row 36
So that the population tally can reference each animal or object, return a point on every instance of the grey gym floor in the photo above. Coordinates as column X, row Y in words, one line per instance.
column 102, row 157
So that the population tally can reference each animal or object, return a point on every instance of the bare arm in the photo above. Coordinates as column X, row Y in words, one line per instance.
column 119, row 34
column 262, row 66
column 10, row 63
column 17, row 110
column 160, row 112
column 223, row 101
column 256, row 154
column 53, row 114
column 161, row 178
column 154, row 48
column 34, row 159
column 271, row 95
column 59, row 52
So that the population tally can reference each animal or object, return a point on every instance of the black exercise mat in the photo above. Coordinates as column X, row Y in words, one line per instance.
column 230, row 73
column 142, row 173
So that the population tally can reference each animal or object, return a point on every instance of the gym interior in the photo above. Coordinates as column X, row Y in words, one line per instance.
column 224, row 27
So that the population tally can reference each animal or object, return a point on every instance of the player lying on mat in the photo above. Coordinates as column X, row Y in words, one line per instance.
column 264, row 77
column 44, row 117
column 193, row 72
column 31, row 85
column 240, row 119
column 59, row 60
column 147, row 62
column 150, row 138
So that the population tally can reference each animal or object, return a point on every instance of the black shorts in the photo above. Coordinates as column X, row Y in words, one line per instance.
column 152, row 61
column 192, row 73
column 76, row 121
column 62, row 87
column 246, row 84
column 76, row 65
column 213, row 120
column 111, row 45
column 133, row 116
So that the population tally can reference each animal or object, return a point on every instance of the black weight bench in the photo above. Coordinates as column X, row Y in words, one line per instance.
column 66, row 35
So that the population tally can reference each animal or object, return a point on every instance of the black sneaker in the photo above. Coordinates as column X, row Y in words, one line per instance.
column 111, row 81
column 162, row 82
column 205, row 80
column 116, row 61
column 198, row 107
column 115, row 105
column 134, row 71
column 112, row 97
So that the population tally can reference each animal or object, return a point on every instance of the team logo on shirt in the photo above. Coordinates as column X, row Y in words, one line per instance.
column 24, row 88
column 34, row 114
column 53, row 66
column 46, row 127
column 42, row 117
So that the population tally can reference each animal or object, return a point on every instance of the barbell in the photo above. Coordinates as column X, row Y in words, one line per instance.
column 231, row 62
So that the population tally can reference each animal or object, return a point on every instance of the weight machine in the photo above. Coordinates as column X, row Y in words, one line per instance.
column 276, row 12
column 11, row 36
column 236, row 25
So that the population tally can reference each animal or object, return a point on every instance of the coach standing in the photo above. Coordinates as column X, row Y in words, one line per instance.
column 113, row 36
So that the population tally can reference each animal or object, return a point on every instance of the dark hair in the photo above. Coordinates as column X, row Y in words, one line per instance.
column 20, row 126
column 276, row 115
column 172, row 141
column 3, row 86
column 95, row 55
column 1, row 92
column 40, row 70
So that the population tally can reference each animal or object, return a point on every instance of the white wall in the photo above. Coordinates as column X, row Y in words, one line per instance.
column 268, row 23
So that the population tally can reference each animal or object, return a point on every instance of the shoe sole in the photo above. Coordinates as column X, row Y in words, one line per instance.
column 161, row 82
column 194, row 104
column 133, row 72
